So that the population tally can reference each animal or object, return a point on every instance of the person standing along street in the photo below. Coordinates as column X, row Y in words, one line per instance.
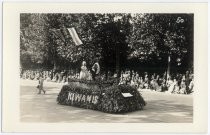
column 41, row 83
column 183, row 86
column 187, row 82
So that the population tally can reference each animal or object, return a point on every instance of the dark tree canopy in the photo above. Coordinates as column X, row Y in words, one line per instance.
column 140, row 42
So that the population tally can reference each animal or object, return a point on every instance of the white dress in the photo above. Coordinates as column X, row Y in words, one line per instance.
column 83, row 73
column 171, row 87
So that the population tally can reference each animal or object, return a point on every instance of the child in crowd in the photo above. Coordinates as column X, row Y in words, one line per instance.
column 40, row 85
column 191, row 86
column 182, row 86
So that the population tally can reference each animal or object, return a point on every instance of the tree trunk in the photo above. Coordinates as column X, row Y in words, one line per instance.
column 117, row 61
column 55, row 65
column 131, row 74
column 106, row 74
column 169, row 68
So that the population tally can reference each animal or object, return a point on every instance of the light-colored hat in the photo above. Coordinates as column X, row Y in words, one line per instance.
column 83, row 63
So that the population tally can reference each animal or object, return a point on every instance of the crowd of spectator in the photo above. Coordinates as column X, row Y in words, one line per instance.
column 175, row 83
column 48, row 75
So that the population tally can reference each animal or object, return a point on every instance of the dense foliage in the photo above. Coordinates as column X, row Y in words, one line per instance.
column 113, row 101
column 110, row 99
column 124, row 41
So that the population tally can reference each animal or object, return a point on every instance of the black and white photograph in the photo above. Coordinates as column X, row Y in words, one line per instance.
column 113, row 67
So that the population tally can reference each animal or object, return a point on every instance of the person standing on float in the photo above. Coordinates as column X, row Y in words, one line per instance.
column 83, row 73
column 95, row 69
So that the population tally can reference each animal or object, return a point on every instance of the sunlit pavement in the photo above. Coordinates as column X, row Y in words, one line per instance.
column 161, row 107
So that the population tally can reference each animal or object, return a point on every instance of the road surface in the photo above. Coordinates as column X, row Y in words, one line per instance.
column 160, row 108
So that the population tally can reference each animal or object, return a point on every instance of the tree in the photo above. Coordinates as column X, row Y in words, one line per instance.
column 32, row 40
column 156, row 36
column 122, row 40
column 100, row 33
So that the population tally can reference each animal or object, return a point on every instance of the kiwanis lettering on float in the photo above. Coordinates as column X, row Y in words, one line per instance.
column 110, row 99
column 80, row 95
column 75, row 97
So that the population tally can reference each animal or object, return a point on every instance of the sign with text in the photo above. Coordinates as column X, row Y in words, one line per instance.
column 76, row 97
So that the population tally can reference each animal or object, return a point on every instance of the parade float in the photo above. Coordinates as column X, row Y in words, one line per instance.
column 105, row 96
column 101, row 95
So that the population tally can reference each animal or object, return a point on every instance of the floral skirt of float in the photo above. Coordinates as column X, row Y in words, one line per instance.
column 102, row 96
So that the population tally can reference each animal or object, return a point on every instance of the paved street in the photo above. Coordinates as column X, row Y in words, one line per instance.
column 161, row 107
